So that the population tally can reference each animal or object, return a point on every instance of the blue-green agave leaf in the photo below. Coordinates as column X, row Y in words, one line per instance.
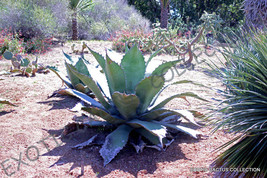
column 174, row 83
column 156, row 129
column 147, row 89
column 133, row 65
column 90, row 83
column 155, row 115
column 73, row 78
column 87, row 99
column 81, row 67
column 115, row 76
column 68, row 57
column 162, row 69
column 148, row 135
column 97, row 123
column 191, row 132
column 126, row 104
column 181, row 95
column 100, row 59
column 62, row 77
column 104, row 115
column 115, row 142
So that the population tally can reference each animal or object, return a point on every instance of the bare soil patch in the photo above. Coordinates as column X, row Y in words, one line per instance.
column 38, row 118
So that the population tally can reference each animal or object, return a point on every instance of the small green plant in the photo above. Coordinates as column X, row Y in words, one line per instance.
column 24, row 65
column 127, row 104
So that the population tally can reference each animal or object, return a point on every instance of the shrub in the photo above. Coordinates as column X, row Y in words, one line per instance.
column 106, row 18
column 38, row 45
column 10, row 41
column 244, row 111
column 126, row 102
column 33, row 18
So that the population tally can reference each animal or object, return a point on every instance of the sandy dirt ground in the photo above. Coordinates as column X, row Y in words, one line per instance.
column 29, row 146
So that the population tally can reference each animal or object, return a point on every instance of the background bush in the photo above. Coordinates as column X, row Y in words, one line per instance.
column 44, row 18
column 107, row 18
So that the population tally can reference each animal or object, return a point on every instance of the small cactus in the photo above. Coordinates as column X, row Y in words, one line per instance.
column 23, row 65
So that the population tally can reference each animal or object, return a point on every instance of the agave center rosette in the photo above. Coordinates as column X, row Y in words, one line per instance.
column 131, row 102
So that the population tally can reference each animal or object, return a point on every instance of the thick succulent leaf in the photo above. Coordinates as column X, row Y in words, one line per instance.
column 24, row 62
column 97, row 123
column 187, row 116
column 126, row 47
column 86, row 143
column 162, row 69
column 157, row 115
column 100, row 59
column 126, row 104
column 68, row 57
column 133, row 65
column 156, row 129
column 181, row 95
column 81, row 67
column 87, row 99
column 4, row 101
column 115, row 76
column 104, row 115
column 8, row 55
column 148, row 135
column 186, row 130
column 73, row 78
column 100, row 78
column 62, row 77
column 146, row 91
column 153, row 55
column 114, row 142
column 90, row 83
column 175, row 83
column 80, row 87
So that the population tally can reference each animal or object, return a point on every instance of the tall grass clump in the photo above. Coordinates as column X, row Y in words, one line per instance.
column 244, row 110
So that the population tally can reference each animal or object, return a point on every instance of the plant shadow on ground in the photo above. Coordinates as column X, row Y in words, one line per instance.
column 127, row 160
column 2, row 113
column 60, row 102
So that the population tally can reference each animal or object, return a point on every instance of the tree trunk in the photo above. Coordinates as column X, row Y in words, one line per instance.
column 164, row 13
column 74, row 26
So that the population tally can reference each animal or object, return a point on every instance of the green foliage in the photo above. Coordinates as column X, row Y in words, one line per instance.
column 191, row 11
column 23, row 65
column 172, row 41
column 72, row 81
column 244, row 111
column 10, row 41
column 126, row 101
column 105, row 19
column 148, row 8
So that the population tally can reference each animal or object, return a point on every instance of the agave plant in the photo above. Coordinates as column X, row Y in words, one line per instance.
column 244, row 111
column 72, row 81
column 128, row 103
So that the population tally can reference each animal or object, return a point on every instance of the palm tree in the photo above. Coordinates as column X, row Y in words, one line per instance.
column 164, row 13
column 76, row 6
column 256, row 12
